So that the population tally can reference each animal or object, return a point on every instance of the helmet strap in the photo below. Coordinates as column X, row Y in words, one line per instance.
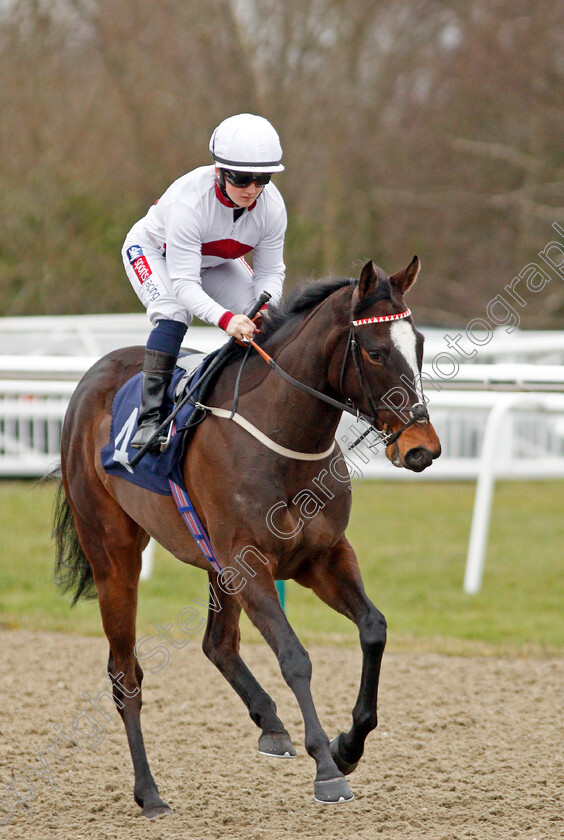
column 220, row 181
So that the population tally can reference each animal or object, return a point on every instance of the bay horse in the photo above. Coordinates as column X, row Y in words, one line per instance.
column 349, row 343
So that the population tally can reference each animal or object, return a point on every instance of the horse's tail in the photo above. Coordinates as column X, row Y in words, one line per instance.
column 73, row 572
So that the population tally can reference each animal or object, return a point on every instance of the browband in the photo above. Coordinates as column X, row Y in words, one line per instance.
column 380, row 318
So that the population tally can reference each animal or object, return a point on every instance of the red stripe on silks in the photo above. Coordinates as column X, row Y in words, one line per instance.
column 142, row 269
column 246, row 265
column 227, row 249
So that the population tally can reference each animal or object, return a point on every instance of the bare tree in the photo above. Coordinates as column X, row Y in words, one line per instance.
column 408, row 126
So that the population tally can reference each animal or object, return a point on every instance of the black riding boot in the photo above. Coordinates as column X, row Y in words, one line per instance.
column 158, row 368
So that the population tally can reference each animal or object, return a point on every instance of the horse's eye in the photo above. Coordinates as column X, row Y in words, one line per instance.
column 375, row 355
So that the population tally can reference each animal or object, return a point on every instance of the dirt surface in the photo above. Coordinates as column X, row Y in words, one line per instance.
column 466, row 748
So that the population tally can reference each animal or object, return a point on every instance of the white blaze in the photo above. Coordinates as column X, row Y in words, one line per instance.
column 403, row 337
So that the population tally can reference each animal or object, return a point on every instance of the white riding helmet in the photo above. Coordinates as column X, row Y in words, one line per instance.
column 246, row 143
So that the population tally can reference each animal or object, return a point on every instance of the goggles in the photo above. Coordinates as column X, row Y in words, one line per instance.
column 243, row 179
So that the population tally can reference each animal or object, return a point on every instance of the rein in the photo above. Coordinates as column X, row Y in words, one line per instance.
column 418, row 411
column 301, row 386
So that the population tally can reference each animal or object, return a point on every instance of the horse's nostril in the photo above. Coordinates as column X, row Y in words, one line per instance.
column 418, row 459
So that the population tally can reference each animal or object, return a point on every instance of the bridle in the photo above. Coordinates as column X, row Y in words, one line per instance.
column 418, row 411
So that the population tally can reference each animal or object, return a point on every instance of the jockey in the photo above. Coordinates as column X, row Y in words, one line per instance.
column 185, row 257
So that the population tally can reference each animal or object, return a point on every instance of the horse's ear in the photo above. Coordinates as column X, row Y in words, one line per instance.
column 405, row 278
column 368, row 279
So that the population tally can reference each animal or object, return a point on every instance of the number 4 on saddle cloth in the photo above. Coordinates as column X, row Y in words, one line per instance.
column 154, row 470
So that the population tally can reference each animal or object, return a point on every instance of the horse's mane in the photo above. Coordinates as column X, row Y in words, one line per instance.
column 303, row 299
column 300, row 301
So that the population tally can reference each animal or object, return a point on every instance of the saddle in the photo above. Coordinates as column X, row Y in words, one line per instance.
column 154, row 470
column 189, row 363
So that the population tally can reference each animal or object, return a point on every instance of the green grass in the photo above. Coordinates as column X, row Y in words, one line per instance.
column 411, row 540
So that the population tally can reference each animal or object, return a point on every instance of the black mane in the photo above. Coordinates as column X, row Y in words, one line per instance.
column 300, row 301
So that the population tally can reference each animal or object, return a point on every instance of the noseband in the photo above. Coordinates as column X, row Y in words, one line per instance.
column 418, row 411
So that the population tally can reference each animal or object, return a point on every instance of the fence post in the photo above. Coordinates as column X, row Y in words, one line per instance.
column 485, row 487
column 147, row 561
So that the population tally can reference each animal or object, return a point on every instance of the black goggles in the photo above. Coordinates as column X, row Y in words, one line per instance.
column 243, row 179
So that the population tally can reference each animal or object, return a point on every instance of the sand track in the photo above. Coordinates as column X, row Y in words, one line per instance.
column 466, row 748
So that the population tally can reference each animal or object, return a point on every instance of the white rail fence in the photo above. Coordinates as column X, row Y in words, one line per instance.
column 502, row 420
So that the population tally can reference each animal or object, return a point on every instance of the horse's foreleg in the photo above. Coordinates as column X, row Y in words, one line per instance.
column 261, row 603
column 337, row 581
column 116, row 572
column 221, row 646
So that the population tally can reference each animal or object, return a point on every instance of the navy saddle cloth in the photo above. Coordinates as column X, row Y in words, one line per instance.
column 153, row 470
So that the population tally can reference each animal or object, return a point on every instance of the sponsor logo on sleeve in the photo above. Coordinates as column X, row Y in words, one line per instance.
column 139, row 263
column 134, row 252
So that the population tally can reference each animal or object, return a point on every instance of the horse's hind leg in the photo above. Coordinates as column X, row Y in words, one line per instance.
column 114, row 553
column 221, row 646
column 336, row 580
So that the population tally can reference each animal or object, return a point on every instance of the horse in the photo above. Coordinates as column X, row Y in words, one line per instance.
column 343, row 344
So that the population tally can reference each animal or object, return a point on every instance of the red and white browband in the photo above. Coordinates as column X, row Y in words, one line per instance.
column 377, row 319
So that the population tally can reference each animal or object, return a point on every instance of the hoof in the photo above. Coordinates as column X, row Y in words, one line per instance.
column 277, row 745
column 156, row 810
column 343, row 765
column 152, row 806
column 333, row 791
